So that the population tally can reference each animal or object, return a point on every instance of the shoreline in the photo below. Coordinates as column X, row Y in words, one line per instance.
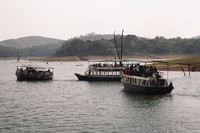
column 85, row 58
column 176, row 62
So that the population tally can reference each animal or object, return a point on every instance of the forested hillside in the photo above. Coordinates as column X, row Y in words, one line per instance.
column 9, row 52
column 94, row 37
column 96, row 44
column 37, row 46
column 41, row 51
column 132, row 45
column 30, row 46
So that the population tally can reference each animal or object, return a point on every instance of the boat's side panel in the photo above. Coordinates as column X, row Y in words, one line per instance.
column 97, row 78
column 148, row 90
column 32, row 79
column 25, row 77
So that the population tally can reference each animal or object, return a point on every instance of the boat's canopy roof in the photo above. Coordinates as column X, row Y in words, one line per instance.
column 105, row 60
column 134, row 60
column 36, row 67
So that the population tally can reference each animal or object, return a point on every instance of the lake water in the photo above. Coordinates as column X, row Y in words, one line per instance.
column 68, row 105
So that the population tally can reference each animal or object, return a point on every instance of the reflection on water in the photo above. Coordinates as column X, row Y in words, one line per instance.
column 68, row 105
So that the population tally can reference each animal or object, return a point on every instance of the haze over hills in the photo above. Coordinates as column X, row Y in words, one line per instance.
column 9, row 52
column 96, row 44
column 38, row 45
column 30, row 41
column 30, row 46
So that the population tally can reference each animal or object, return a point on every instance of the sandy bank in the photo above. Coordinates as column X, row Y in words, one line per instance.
column 78, row 58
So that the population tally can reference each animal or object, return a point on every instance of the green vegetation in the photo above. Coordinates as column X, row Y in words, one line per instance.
column 189, row 60
column 34, row 46
column 189, row 64
column 132, row 45
column 41, row 51
column 78, row 47
column 9, row 52
column 98, row 45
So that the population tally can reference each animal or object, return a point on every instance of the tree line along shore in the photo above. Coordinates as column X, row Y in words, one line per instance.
column 176, row 62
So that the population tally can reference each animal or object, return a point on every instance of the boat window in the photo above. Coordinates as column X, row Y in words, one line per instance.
column 144, row 82
column 98, row 73
column 132, row 80
column 106, row 73
column 114, row 73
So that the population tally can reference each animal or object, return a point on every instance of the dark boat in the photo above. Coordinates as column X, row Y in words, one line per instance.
column 104, row 70
column 34, row 73
column 145, row 79
column 97, row 78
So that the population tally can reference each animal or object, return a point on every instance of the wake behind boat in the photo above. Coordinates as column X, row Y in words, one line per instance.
column 145, row 79
column 32, row 73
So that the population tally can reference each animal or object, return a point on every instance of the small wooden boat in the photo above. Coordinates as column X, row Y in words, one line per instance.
column 32, row 73
column 145, row 79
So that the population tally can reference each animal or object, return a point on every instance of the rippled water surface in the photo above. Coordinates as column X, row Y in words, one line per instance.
column 68, row 105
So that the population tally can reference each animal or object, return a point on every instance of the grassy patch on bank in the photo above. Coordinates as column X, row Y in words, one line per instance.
column 188, row 64
column 190, row 60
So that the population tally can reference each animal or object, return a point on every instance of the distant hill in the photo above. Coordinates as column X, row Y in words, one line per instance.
column 38, row 46
column 30, row 46
column 30, row 41
column 97, row 45
column 9, row 52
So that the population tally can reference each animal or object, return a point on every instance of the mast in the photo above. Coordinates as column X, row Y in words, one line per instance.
column 122, row 44
column 116, row 46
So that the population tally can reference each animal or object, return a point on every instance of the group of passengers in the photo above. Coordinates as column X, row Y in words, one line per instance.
column 34, row 73
column 107, row 65
column 140, row 70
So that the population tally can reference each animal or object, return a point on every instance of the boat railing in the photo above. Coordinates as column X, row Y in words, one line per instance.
column 146, row 82
column 106, row 67
column 103, row 73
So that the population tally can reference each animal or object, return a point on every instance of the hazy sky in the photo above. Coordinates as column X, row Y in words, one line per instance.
column 64, row 19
